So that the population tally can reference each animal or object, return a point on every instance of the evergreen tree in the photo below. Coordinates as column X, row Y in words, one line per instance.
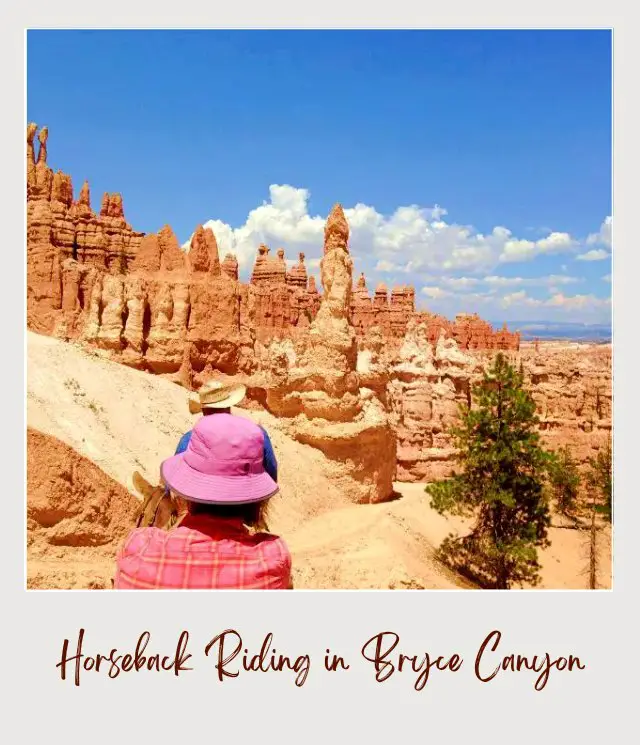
column 600, row 479
column 500, row 483
column 564, row 482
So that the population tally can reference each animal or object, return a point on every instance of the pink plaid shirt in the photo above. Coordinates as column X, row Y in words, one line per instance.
column 203, row 553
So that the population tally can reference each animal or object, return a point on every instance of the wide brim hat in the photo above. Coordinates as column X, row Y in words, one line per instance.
column 216, row 395
column 223, row 463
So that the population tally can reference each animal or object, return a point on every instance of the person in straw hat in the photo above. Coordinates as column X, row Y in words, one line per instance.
column 218, row 398
column 221, row 477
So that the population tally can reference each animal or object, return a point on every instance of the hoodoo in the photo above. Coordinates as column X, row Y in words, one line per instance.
column 315, row 383
column 340, row 356
column 70, row 249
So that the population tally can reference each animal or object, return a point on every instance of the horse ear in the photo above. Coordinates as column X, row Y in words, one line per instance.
column 141, row 485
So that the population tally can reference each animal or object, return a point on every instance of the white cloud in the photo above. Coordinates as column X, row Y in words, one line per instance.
column 523, row 250
column 435, row 293
column 520, row 298
column 552, row 279
column 461, row 283
column 283, row 221
column 519, row 305
column 576, row 302
column 386, row 266
column 412, row 239
column 557, row 300
column 455, row 265
column 596, row 254
column 606, row 278
column 496, row 282
column 603, row 236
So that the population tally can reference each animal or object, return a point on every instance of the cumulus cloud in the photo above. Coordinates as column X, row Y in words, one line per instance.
column 435, row 293
column 524, row 250
column 455, row 265
column 603, row 236
column 606, row 278
column 496, row 282
column 284, row 220
column 557, row 300
column 461, row 283
column 386, row 266
column 520, row 305
column 519, row 297
column 410, row 240
column 576, row 302
column 596, row 254
column 550, row 281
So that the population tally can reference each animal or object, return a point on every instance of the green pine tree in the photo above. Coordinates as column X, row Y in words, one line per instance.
column 500, row 483
column 564, row 482
column 600, row 479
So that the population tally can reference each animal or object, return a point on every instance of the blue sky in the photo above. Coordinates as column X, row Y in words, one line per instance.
column 475, row 165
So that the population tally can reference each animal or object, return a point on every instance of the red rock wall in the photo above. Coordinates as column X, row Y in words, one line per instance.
column 570, row 383
column 90, row 276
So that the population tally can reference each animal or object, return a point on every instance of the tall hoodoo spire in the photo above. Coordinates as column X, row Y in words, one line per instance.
column 336, row 230
column 336, row 269
column 84, row 198
column 42, row 137
column 32, row 128
column 199, row 259
column 214, row 254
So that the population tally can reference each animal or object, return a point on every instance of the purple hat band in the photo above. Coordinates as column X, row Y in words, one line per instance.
column 223, row 463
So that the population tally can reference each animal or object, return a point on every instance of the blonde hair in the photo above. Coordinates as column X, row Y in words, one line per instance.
column 254, row 515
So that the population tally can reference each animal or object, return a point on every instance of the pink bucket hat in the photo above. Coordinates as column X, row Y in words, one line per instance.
column 223, row 463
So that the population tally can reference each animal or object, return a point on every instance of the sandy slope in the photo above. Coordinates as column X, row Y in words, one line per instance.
column 94, row 412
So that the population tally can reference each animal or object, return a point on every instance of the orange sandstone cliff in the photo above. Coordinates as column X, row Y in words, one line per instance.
column 90, row 276
column 363, row 376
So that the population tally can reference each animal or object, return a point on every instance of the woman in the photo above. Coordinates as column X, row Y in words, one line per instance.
column 218, row 398
column 221, row 477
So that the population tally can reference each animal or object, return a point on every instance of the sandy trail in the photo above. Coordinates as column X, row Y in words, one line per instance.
column 98, row 421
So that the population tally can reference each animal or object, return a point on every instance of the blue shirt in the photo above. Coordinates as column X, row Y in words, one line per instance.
column 270, row 462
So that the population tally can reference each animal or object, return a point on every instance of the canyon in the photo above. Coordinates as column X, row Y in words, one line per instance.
column 360, row 387
column 158, row 308
column 92, row 422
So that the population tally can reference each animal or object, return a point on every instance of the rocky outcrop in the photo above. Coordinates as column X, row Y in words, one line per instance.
column 150, row 304
column 230, row 266
column 283, row 302
column 426, row 387
column 314, row 382
column 343, row 369
column 571, row 385
column 59, row 229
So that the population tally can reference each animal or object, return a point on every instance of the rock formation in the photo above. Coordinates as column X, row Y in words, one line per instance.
column 284, row 302
column 315, row 385
column 230, row 266
column 340, row 367
column 58, row 230
column 425, row 389
column 571, row 385
column 146, row 302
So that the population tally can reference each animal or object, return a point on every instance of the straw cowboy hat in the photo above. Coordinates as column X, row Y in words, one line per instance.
column 215, row 395
column 223, row 463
